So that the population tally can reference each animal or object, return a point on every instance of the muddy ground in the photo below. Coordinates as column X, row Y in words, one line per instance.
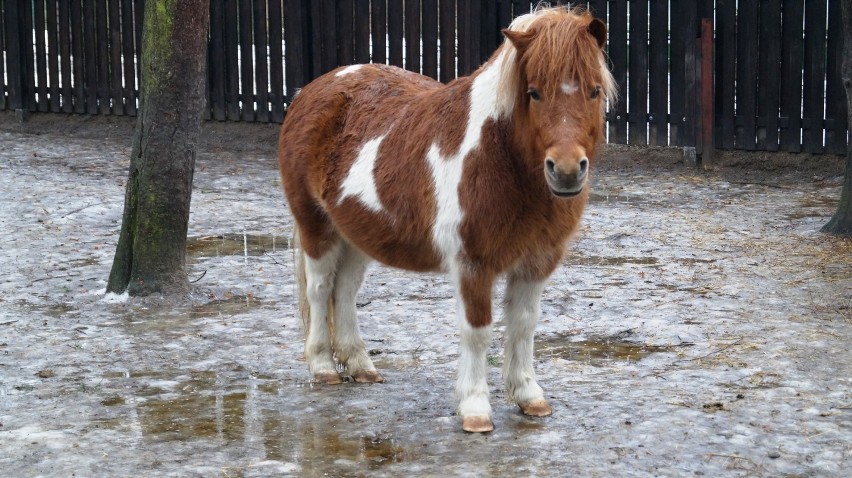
column 700, row 326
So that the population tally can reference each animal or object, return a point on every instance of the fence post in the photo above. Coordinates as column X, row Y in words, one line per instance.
column 15, row 58
column 708, row 115
column 692, row 108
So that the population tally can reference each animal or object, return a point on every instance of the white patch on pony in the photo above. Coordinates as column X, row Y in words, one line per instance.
column 570, row 88
column 447, row 171
column 349, row 69
column 360, row 182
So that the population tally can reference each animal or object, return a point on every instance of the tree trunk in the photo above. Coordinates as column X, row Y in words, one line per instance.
column 151, row 252
column 841, row 222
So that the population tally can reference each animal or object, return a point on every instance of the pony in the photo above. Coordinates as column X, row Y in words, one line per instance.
column 479, row 178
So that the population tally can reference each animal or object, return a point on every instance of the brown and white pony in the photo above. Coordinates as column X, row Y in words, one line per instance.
column 477, row 178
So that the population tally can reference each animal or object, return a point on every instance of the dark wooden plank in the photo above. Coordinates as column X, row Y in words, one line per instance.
column 276, row 61
column 28, row 79
column 708, row 116
column 489, row 31
column 295, row 70
column 429, row 23
column 447, row 20
column 726, row 61
column 504, row 14
column 128, row 55
column 40, row 56
column 4, row 87
column 379, row 30
column 345, row 32
column 463, row 32
column 769, row 75
column 692, row 70
column 103, row 58
column 412, row 35
column 598, row 8
column 52, row 57
column 67, row 92
column 835, row 95
column 747, row 62
column 247, row 111
column 261, row 61
column 658, row 74
column 395, row 32
column 329, row 36
column 90, row 57
column 138, row 21
column 13, row 24
column 618, row 60
column 520, row 7
column 232, row 62
column 115, row 68
column 792, row 47
column 314, row 51
column 638, row 70
column 216, row 62
column 475, row 37
column 814, row 81
column 361, row 34
column 77, row 56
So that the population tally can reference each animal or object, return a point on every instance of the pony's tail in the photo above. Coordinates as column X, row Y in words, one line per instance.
column 301, row 282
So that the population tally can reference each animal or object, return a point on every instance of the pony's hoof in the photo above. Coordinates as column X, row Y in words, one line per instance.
column 536, row 408
column 327, row 378
column 477, row 424
column 368, row 376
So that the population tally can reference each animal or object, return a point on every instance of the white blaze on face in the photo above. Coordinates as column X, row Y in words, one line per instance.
column 360, row 182
column 570, row 88
column 447, row 170
column 349, row 69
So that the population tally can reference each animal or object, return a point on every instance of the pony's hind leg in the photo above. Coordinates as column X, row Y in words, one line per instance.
column 349, row 347
column 319, row 283
column 521, row 311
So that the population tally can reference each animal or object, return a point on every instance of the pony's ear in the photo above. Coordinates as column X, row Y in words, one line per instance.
column 521, row 40
column 598, row 30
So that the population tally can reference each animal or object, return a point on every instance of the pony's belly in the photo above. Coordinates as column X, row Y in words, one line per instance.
column 399, row 247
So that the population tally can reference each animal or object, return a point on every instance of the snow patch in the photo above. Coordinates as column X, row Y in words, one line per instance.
column 113, row 298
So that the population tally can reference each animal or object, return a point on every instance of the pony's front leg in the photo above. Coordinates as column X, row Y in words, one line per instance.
column 473, row 304
column 521, row 311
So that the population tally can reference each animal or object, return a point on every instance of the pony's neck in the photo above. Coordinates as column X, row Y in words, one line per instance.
column 494, row 86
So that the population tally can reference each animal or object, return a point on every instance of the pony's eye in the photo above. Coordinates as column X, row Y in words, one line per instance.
column 534, row 94
column 596, row 92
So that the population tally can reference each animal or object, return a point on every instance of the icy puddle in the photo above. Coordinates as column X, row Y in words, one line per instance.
column 235, row 245
column 595, row 351
column 175, row 407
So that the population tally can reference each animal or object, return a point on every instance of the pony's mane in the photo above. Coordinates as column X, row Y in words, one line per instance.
column 562, row 49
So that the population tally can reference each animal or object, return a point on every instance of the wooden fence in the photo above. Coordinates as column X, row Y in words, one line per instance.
column 775, row 82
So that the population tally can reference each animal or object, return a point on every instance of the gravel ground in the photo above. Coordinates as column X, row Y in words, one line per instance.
column 700, row 326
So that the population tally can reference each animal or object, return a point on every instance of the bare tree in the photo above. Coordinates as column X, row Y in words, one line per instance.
column 841, row 222
column 151, row 252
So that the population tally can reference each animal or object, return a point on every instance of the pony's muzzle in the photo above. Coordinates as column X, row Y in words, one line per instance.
column 566, row 178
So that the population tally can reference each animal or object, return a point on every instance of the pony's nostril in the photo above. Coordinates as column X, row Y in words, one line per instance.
column 584, row 166
column 550, row 165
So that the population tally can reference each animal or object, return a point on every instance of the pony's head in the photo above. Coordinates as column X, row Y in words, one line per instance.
column 555, row 73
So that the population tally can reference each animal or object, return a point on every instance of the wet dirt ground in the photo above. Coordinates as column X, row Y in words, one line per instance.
column 700, row 326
